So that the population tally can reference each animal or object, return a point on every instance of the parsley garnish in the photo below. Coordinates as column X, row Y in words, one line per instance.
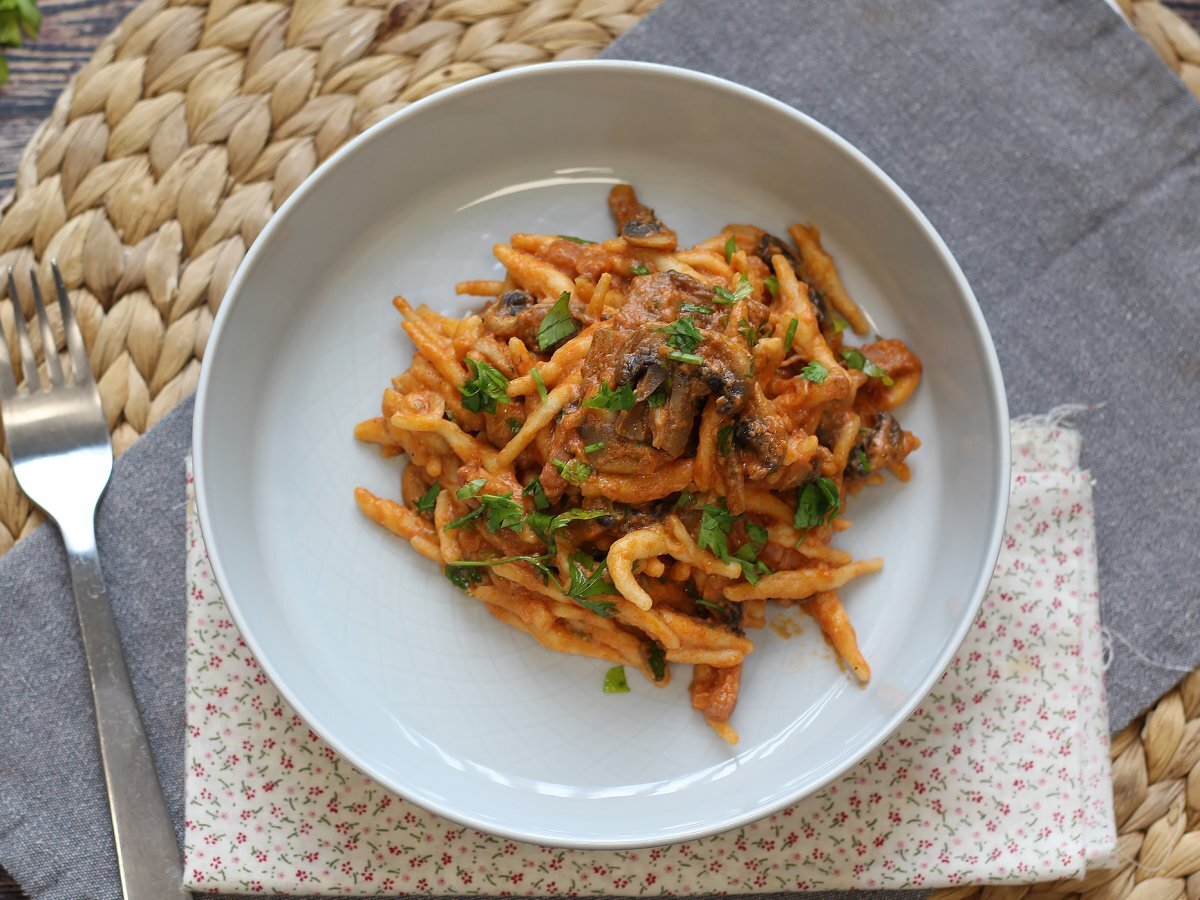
column 594, row 448
column 683, row 334
column 640, row 269
column 749, row 332
column 839, row 325
column 747, row 554
column 686, row 499
column 546, row 525
column 715, row 522
column 709, row 604
column 535, row 491
column 772, row 285
column 691, row 358
column 573, row 471
column 814, row 372
column 790, row 335
column 816, row 503
column 864, row 461
column 584, row 585
column 557, row 324
column 690, row 307
column 514, row 425
column 618, row 401
column 573, row 240
column 428, row 499
column 471, row 489
column 658, row 398
column 465, row 519
column 463, row 577
column 538, row 383
column 538, row 561
column 484, row 388
column 730, row 248
column 725, row 440
column 656, row 658
column 743, row 290
column 502, row 511
column 614, row 681
column 855, row 359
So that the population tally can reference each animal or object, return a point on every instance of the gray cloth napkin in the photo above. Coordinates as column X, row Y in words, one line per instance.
column 1052, row 150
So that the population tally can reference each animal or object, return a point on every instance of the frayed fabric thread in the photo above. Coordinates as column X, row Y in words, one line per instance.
column 1056, row 417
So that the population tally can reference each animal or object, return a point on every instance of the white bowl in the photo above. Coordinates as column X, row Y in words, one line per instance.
column 417, row 684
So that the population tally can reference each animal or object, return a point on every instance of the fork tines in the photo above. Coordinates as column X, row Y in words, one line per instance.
column 81, row 371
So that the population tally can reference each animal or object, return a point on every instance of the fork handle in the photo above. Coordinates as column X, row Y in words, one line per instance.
column 147, row 855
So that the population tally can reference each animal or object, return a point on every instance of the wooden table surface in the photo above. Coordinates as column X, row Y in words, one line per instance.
column 71, row 29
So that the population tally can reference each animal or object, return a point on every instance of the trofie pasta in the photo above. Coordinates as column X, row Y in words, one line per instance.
column 635, row 447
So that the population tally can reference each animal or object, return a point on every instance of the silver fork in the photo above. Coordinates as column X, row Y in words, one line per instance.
column 62, row 456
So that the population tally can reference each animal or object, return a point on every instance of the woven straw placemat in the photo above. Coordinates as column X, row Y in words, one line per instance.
column 167, row 153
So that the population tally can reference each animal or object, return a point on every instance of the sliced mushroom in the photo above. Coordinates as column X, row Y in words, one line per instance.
column 637, row 223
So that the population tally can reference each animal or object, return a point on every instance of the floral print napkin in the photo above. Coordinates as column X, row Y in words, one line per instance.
column 1001, row 774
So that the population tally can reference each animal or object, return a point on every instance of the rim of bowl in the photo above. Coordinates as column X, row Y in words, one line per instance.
column 982, row 336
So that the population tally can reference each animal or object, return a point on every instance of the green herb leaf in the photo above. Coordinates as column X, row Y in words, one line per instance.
column 814, row 372
column 656, row 658
column 594, row 448
column 682, row 334
column 486, row 386
column 747, row 554
column 790, row 335
column 429, row 499
column 514, row 425
column 700, row 308
column 749, row 332
column 715, row 522
column 725, row 440
column 545, row 525
column 864, row 461
column 573, row 471
column 640, row 269
column 614, row 681
column 463, row 576
column 856, row 359
column 465, row 520
column 558, row 324
column 709, row 604
column 538, row 561
column 772, row 285
column 471, row 489
column 839, row 325
column 816, row 503
column 537, row 493
column 686, row 499
column 658, row 398
column 730, row 248
column 691, row 358
column 617, row 401
column 502, row 512
column 538, row 383
column 727, row 298
column 584, row 585
column 573, row 240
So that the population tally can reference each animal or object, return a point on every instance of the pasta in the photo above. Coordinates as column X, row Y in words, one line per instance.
column 634, row 448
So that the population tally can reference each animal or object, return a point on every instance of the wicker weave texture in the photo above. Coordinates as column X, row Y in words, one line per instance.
column 168, row 152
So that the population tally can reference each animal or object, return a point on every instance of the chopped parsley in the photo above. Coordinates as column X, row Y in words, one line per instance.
column 855, row 359
column 749, row 332
column 428, row 499
column 730, row 248
column 686, row 499
column 514, row 425
column 573, row 239
column 709, row 604
column 790, row 335
column 557, row 324
column 816, row 503
column 545, row 525
column 716, row 522
column 594, row 448
column 640, row 269
column 863, row 461
column 658, row 398
column 656, row 658
column 502, row 511
column 691, row 358
column 537, row 493
column 584, row 585
column 471, row 489
column 814, row 372
column 747, row 554
column 463, row 576
column 772, row 285
column 690, row 307
column 538, row 383
column 573, row 471
column 839, row 325
column 614, row 681
column 725, row 440
column 682, row 334
column 727, row 298
column 618, row 401
column 486, row 386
